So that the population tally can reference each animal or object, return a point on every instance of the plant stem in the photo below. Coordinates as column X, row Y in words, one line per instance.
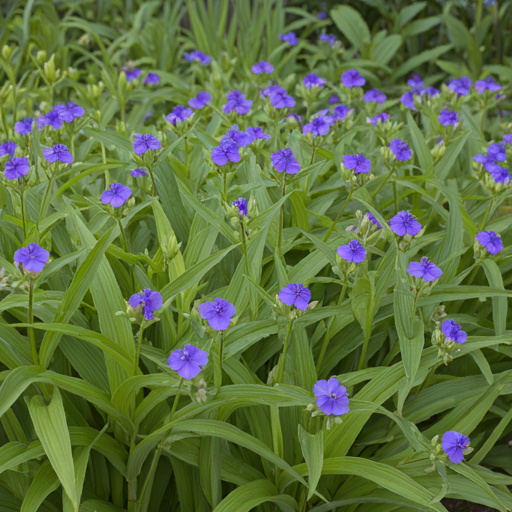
column 136, row 362
column 488, row 211
column 331, row 229
column 381, row 186
column 244, row 247
column 30, row 320
column 424, row 384
column 280, row 369
column 395, row 194
column 124, row 240
column 360, row 365
column 313, row 154
column 153, row 184
column 281, row 214
column 218, row 384
column 23, row 213
column 224, row 187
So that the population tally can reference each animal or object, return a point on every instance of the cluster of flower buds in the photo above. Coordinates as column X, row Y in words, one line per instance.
column 330, row 420
column 201, row 395
column 355, row 179
column 448, row 337
column 293, row 301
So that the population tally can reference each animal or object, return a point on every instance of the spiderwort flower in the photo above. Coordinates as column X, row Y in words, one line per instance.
column 24, row 127
column 461, row 86
column 404, row 223
column 200, row 101
column 70, row 111
column 454, row 444
column 187, row 362
column 359, row 163
column 8, row 148
column 226, row 151
column 148, row 300
column 507, row 138
column 289, row 38
column 152, row 79
column 400, row 149
column 16, row 168
column 352, row 78
column 241, row 204
column 488, row 84
column 491, row 241
column 379, row 118
column 138, row 172
column 59, row 153
column 340, row 112
column 311, row 80
column 241, row 139
column 262, row 67
column 116, row 195
column 237, row 102
column 321, row 15
column 33, row 258
column 295, row 294
column 497, row 152
column 373, row 220
column 131, row 73
column 447, row 118
column 179, row 115
column 256, row 133
column 143, row 143
column 425, row 270
column 52, row 119
column 334, row 99
column 352, row 252
column 284, row 161
column 407, row 99
column 329, row 38
column 197, row 56
column 453, row 332
column 374, row 95
column 498, row 174
column 416, row 82
column 331, row 397
column 279, row 98
column 218, row 313
column 318, row 126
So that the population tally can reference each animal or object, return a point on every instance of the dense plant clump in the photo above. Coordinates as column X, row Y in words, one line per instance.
column 250, row 265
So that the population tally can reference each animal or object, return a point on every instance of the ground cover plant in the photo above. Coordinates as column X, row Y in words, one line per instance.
column 255, row 257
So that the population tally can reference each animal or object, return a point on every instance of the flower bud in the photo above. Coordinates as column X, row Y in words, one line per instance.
column 49, row 69
column 41, row 57
column 7, row 52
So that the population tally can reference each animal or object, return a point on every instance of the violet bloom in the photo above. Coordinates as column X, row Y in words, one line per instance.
column 498, row 174
column 200, row 101
column 146, row 142
column 116, row 195
column 284, row 161
column 33, row 258
column 179, row 115
column 447, row 118
column 311, row 80
column 400, row 149
column 237, row 102
column 454, row 444
column 256, row 133
column 404, row 223
column 453, row 332
column 295, row 294
column 262, row 67
column 8, row 148
column 241, row 204
column 373, row 220
column 461, row 86
column 16, row 167
column 341, row 112
column 70, row 111
column 187, row 362
column 374, row 95
column 226, row 151
column 59, row 153
column 289, row 38
column 131, row 73
column 281, row 99
column 197, row 56
column 152, row 79
column 52, row 119
column 379, row 118
column 138, row 172
column 352, row 252
column 425, row 270
column 24, row 127
column 359, row 163
column 334, row 99
column 218, row 313
column 507, row 139
column 416, row 82
column 352, row 78
column 296, row 118
column 430, row 91
column 271, row 89
column 331, row 397
column 148, row 300
column 491, row 241
column 488, row 84
column 329, row 38
column 318, row 126
column 241, row 139
column 321, row 15
column 407, row 99
column 497, row 152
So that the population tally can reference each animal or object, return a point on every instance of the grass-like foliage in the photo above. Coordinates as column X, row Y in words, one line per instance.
column 254, row 257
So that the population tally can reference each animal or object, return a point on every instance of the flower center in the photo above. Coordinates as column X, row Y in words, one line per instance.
column 184, row 356
column 333, row 396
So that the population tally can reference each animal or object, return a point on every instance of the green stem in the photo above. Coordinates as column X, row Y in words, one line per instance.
column 244, row 247
column 224, row 187
column 30, row 320
column 153, row 184
column 23, row 219
column 331, row 229
column 42, row 212
column 314, row 152
column 360, row 366
column 137, row 356
column 218, row 384
column 425, row 383
column 280, row 369
column 281, row 214
column 383, row 183
column 486, row 216
column 395, row 195
column 124, row 240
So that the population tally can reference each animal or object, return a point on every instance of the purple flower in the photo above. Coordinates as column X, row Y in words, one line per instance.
column 352, row 252
column 281, row 99
column 491, row 241
column 498, row 174
column 226, row 151
column 425, row 270
column 272, row 89
column 8, row 148
column 187, row 362
column 179, row 115
column 131, row 73
column 352, row 78
column 507, row 139
column 340, row 112
column 400, row 149
column 138, row 172
column 430, row 91
column 200, row 101
column 318, row 126
column 379, row 118
column 284, row 161
column 52, row 119
column 238, row 103
column 374, row 95
column 70, row 111
column 218, row 313
column 289, row 38
column 295, row 117
column 454, row 444
column 241, row 139
column 24, row 127
column 373, row 220
column 497, row 152
column 328, row 38
column 152, row 79
column 16, row 168
column 447, row 117
column 262, row 67
column 416, row 82
column 359, row 163
column 143, row 143
column 334, row 99
column 59, row 153
column 404, row 223
column 295, row 294
column 407, row 99
column 241, row 204
column 148, row 300
column 462, row 86
column 197, row 56
column 116, row 195
column 311, row 80
column 453, row 332
column 488, row 84
column 321, row 15
column 331, row 397
column 33, row 258
column 256, row 133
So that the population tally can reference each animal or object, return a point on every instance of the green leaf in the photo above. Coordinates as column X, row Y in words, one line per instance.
column 420, row 147
column 44, row 483
column 499, row 304
column 313, row 451
column 352, row 25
